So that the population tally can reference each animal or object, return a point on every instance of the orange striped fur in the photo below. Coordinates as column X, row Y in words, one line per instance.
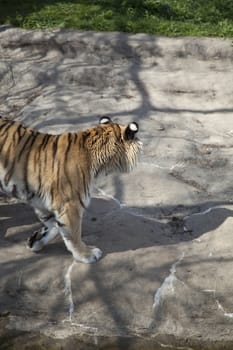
column 55, row 174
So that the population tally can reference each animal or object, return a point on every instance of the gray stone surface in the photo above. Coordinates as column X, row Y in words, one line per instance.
column 166, row 278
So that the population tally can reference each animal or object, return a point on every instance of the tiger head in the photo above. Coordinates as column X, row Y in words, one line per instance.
column 113, row 147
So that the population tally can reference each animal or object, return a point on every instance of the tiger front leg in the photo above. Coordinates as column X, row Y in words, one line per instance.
column 70, row 222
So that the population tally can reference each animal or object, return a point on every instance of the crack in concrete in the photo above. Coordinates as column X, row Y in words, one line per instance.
column 167, row 287
column 171, row 168
column 200, row 213
column 69, row 295
column 106, row 195
column 167, row 346
column 88, row 330
column 19, row 281
column 122, row 206
column 68, row 290
column 226, row 314
column 162, row 345
column 189, row 182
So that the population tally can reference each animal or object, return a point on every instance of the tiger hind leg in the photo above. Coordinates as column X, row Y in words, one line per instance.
column 41, row 237
column 46, row 234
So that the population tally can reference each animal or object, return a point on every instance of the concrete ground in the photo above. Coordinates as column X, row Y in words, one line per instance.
column 166, row 278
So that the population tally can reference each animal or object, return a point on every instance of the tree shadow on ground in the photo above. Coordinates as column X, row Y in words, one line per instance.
column 90, row 76
column 115, row 230
column 90, row 79
column 94, row 74
column 122, row 229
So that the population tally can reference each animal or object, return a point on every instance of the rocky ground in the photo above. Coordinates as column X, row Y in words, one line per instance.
column 166, row 278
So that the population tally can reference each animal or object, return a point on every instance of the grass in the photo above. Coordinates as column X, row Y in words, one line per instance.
column 163, row 17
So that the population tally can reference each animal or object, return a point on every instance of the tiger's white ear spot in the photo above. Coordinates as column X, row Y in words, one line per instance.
column 131, row 130
column 104, row 120
column 133, row 127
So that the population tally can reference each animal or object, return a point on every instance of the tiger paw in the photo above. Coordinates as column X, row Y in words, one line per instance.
column 35, row 242
column 94, row 254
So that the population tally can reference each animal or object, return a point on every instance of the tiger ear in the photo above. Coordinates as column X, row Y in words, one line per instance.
column 105, row 120
column 131, row 130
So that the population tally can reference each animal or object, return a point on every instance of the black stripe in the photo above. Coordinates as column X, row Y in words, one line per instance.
column 39, row 165
column 81, row 201
column 9, row 174
column 45, row 218
column 23, row 134
column 12, row 144
column 52, row 193
column 84, row 137
column 55, row 143
column 58, row 175
column 33, row 139
column 16, row 133
column 42, row 148
column 3, row 123
column 45, row 141
column 30, row 195
column 68, row 147
column 14, row 191
column 24, row 146
column 75, row 137
column 6, row 156
column 2, row 126
column 7, row 125
column 7, row 152
column 38, row 153
column 42, row 142
column 85, row 186
column 40, row 182
column 5, row 138
column 3, row 143
column 60, row 224
column 65, row 161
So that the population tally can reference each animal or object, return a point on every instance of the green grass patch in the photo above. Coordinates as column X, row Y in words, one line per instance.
column 163, row 17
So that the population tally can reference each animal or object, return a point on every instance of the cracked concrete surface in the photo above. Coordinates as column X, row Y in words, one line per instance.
column 165, row 229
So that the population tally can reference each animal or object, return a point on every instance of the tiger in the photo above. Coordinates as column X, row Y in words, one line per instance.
column 55, row 175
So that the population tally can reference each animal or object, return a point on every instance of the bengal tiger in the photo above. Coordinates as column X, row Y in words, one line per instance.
column 55, row 175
